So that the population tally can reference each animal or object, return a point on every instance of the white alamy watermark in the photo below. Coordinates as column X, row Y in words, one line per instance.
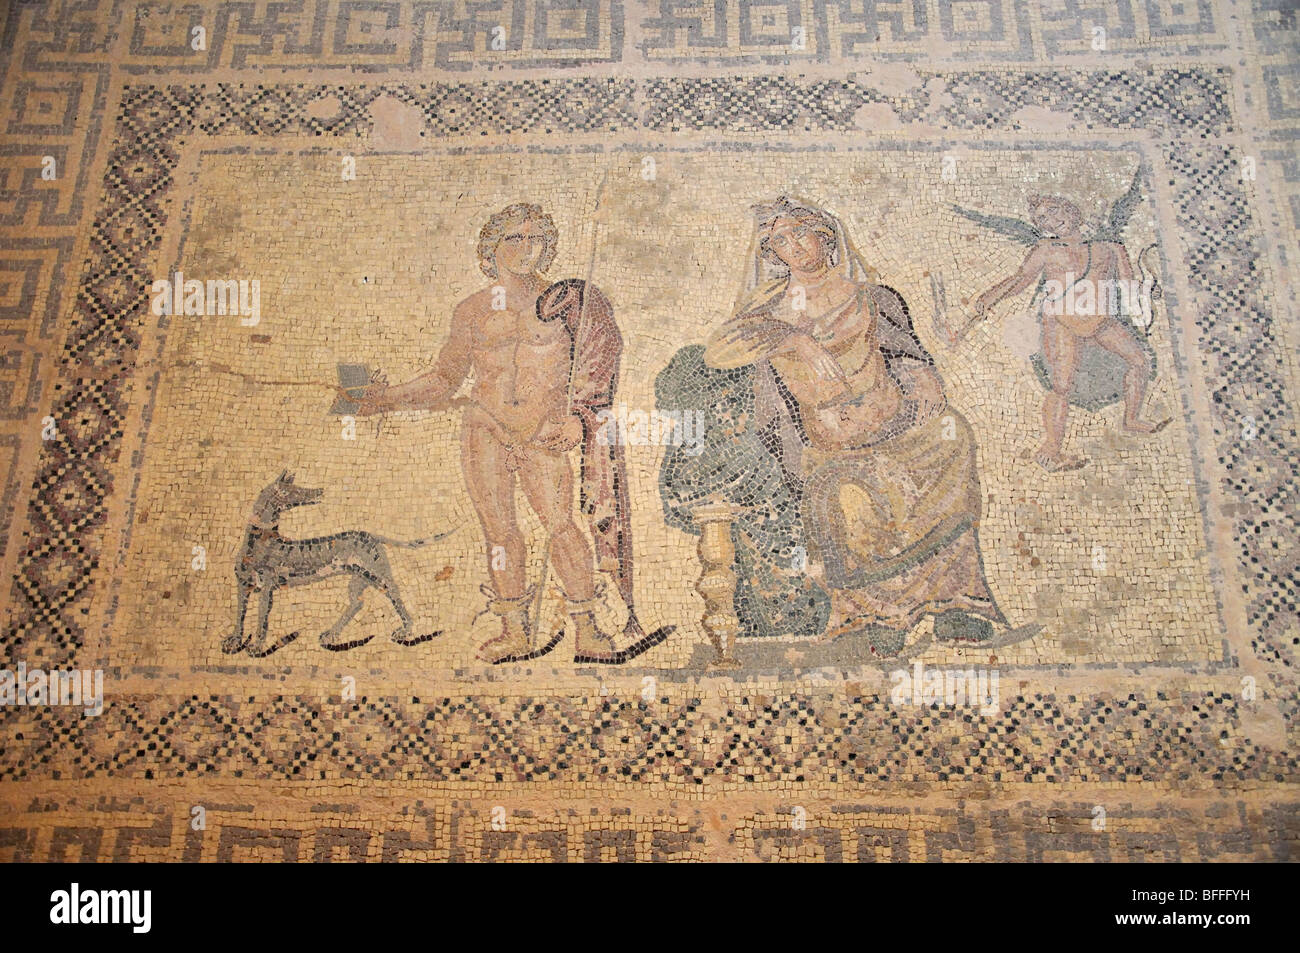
column 948, row 687
column 132, row 907
column 1081, row 297
column 219, row 296
column 657, row 428
column 36, row 687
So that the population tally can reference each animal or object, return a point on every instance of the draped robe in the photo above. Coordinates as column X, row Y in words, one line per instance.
column 895, row 520
column 595, row 350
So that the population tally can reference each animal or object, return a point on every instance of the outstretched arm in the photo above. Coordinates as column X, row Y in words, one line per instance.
column 1026, row 275
column 432, row 389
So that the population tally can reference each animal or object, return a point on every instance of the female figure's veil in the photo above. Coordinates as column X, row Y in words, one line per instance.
column 751, row 334
column 765, row 278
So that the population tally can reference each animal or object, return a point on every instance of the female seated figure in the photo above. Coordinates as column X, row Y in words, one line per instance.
column 850, row 404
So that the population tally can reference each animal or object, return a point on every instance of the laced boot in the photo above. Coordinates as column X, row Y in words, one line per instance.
column 516, row 632
column 591, row 644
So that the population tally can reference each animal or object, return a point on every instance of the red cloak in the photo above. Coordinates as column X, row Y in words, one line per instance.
column 595, row 350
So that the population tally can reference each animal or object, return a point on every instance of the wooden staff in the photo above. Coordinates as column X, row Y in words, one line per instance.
column 573, row 360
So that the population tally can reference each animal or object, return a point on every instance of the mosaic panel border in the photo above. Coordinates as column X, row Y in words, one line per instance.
column 684, row 744
column 139, row 829
column 74, row 481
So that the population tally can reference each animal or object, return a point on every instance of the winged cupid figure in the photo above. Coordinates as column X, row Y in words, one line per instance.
column 1090, row 303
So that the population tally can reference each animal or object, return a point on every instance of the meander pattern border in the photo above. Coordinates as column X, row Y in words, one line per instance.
column 125, row 830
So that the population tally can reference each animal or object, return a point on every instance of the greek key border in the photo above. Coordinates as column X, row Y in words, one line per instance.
column 156, row 829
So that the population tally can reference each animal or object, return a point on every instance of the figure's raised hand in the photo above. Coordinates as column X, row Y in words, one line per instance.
column 927, row 390
column 820, row 361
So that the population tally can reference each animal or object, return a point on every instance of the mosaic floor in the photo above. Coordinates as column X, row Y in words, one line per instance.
column 659, row 430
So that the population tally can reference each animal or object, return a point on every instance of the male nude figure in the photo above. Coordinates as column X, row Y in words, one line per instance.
column 1064, row 259
column 517, row 428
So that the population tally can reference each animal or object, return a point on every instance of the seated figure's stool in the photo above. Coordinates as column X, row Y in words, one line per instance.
column 717, row 582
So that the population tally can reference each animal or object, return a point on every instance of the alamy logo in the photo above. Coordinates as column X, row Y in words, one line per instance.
column 948, row 687
column 659, row 428
column 134, row 907
column 1086, row 298
column 221, row 296
column 37, row 687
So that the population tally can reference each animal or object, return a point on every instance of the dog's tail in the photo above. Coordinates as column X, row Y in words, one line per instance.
column 415, row 543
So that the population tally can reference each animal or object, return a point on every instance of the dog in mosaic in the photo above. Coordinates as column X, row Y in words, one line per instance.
column 269, row 561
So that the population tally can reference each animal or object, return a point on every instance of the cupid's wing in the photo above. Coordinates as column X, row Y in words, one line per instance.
column 1120, row 213
column 1013, row 228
